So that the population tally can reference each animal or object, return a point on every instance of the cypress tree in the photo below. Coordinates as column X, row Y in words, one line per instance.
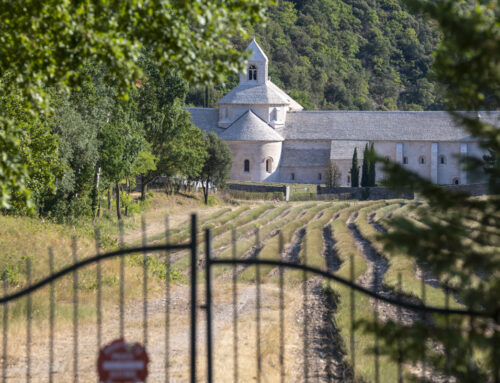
column 355, row 169
column 365, row 174
column 371, row 167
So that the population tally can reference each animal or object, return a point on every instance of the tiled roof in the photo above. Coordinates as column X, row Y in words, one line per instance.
column 250, row 127
column 383, row 126
column 305, row 157
column 206, row 119
column 259, row 94
column 294, row 105
column 343, row 150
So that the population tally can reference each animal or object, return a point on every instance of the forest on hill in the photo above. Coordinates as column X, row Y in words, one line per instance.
column 345, row 54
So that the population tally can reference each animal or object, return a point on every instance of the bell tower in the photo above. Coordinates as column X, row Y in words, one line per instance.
column 256, row 71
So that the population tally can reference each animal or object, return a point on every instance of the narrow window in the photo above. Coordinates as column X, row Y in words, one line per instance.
column 269, row 165
column 252, row 72
column 405, row 160
column 292, row 176
column 246, row 166
column 319, row 176
column 348, row 180
column 421, row 160
column 274, row 114
column 442, row 160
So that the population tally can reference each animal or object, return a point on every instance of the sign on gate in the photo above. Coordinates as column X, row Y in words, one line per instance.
column 120, row 362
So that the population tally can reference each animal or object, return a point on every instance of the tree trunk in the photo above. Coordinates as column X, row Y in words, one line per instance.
column 99, row 207
column 143, row 188
column 205, row 191
column 109, row 199
column 95, row 192
column 118, row 212
column 128, row 198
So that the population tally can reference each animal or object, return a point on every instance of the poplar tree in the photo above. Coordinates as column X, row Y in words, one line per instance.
column 365, row 173
column 371, row 166
column 355, row 169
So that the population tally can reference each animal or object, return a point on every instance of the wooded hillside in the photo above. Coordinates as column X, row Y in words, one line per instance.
column 345, row 54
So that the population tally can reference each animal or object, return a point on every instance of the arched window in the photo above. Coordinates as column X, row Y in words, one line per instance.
column 252, row 72
column 246, row 166
column 319, row 176
column 442, row 160
column 421, row 160
column 455, row 181
column 405, row 160
column 269, row 165
column 292, row 176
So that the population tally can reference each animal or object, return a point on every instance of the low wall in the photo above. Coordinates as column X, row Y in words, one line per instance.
column 473, row 189
column 382, row 192
column 260, row 189
column 373, row 193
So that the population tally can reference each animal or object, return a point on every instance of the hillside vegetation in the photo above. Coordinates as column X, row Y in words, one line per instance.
column 345, row 54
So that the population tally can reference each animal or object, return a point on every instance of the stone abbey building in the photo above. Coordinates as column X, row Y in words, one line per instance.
column 274, row 140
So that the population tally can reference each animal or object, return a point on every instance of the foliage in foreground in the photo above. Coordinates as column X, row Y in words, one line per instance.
column 459, row 237
column 48, row 46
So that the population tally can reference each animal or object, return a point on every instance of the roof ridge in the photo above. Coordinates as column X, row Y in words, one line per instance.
column 235, row 121
column 260, row 118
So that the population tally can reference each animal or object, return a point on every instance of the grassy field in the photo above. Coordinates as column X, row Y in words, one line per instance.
column 293, row 231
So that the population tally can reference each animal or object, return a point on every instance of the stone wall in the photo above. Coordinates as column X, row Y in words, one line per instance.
column 472, row 189
column 374, row 193
column 257, row 188
column 381, row 192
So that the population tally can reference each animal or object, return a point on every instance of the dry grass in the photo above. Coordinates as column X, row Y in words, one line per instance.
column 179, row 334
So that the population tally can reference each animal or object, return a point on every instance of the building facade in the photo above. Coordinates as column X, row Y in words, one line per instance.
column 274, row 140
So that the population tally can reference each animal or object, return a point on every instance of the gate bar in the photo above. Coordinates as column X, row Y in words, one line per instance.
column 194, row 247
column 208, row 302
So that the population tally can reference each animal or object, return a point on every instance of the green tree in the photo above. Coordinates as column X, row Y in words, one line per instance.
column 372, row 175
column 365, row 169
column 458, row 237
column 38, row 150
column 492, row 167
column 45, row 45
column 217, row 165
column 355, row 169
column 333, row 175
column 175, row 142
column 79, row 154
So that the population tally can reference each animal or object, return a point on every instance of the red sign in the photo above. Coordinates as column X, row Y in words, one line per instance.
column 122, row 363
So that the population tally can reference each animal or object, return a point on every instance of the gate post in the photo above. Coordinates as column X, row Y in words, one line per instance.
column 194, row 246
column 208, row 302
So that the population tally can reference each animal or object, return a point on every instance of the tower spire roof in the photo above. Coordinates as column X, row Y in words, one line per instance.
column 257, row 52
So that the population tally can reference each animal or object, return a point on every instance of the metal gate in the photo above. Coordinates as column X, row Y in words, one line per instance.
column 207, row 265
